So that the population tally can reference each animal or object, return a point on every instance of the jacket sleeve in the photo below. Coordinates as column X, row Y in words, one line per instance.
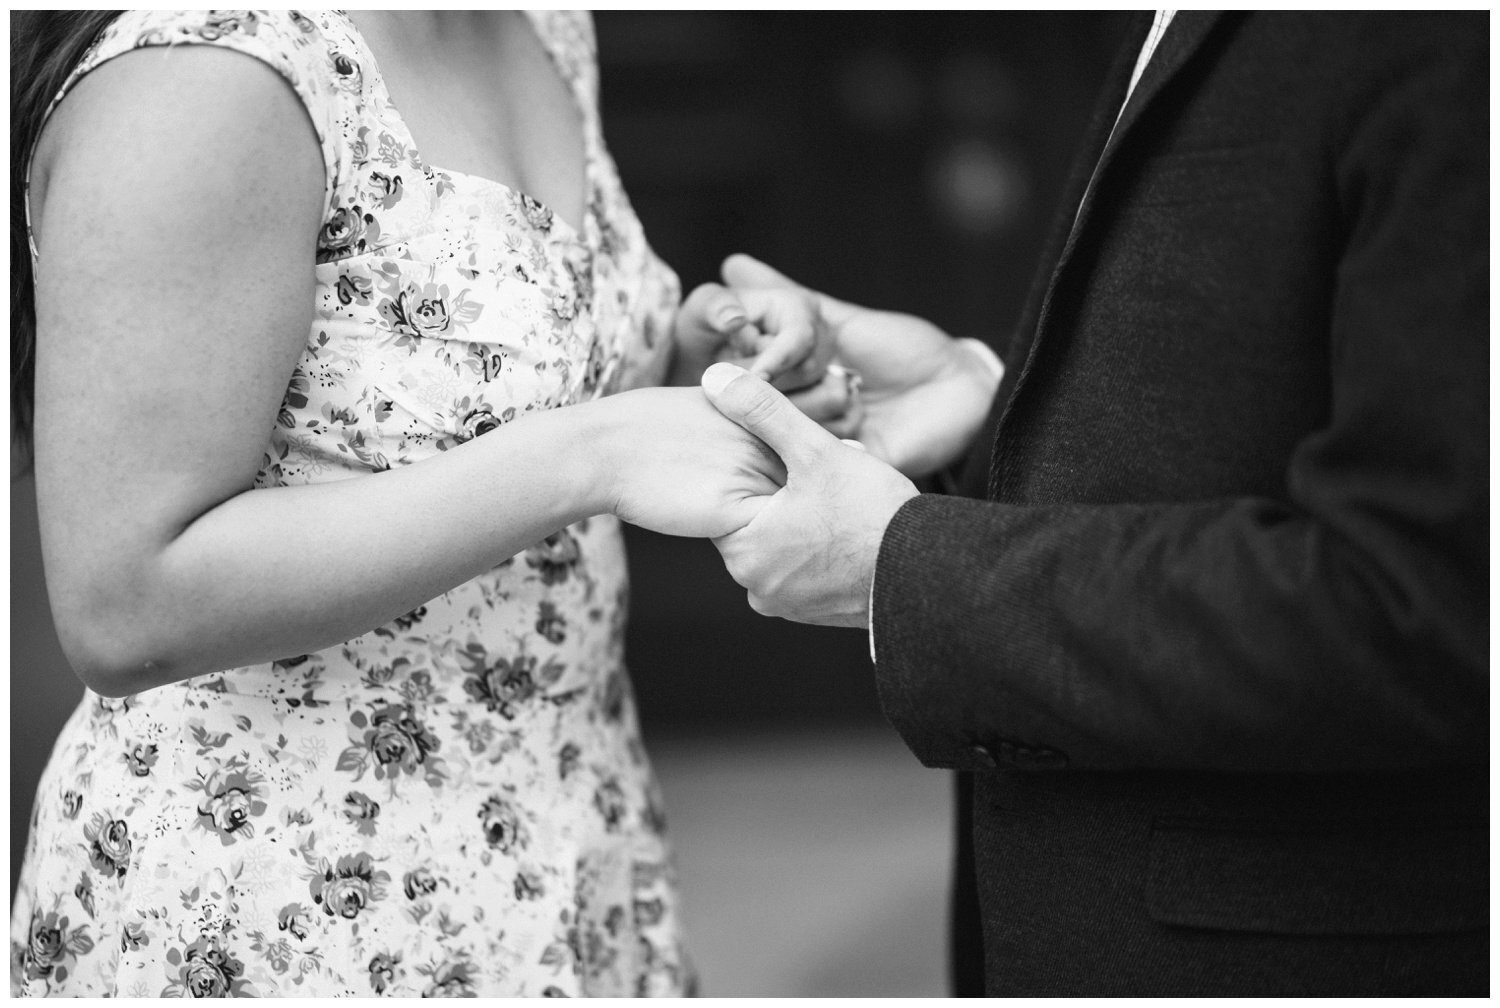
column 1344, row 628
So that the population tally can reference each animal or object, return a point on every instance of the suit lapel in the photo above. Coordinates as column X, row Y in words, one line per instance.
column 1183, row 37
column 976, row 470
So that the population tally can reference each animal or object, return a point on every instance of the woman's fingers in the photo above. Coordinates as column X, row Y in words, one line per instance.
column 713, row 310
column 828, row 400
column 799, row 346
column 833, row 402
column 847, row 427
column 786, row 355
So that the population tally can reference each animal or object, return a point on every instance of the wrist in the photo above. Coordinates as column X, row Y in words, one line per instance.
column 590, row 462
column 893, row 497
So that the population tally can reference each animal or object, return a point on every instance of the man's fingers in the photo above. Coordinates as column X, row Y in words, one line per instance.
column 766, row 413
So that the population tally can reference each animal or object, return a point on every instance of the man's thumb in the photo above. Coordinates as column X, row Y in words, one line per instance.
column 740, row 270
column 764, row 412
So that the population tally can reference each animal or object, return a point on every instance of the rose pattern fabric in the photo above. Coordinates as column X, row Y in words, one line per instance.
column 456, row 803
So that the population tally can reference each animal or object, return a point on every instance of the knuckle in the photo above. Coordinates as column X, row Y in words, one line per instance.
column 814, row 449
column 761, row 404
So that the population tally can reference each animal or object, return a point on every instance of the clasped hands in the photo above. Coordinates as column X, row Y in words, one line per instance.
column 806, row 517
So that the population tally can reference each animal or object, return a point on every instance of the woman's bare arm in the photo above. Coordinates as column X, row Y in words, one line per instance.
column 176, row 202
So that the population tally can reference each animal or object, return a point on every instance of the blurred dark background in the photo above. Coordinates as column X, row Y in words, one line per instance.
column 898, row 160
column 909, row 161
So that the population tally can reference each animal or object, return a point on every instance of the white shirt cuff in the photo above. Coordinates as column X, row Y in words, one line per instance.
column 991, row 359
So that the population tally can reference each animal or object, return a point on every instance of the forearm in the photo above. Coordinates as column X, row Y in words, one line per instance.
column 1230, row 635
column 277, row 572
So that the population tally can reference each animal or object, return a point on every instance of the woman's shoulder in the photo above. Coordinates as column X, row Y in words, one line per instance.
column 311, row 50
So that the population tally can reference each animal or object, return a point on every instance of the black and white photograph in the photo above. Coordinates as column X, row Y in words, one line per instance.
column 755, row 503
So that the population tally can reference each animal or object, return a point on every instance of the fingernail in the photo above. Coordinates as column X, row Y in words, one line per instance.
column 730, row 318
column 718, row 376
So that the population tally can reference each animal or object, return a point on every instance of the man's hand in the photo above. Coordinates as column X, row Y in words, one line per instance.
column 925, row 394
column 667, row 461
column 809, row 553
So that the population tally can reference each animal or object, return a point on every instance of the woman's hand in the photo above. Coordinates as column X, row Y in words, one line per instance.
column 671, row 463
column 183, row 198
column 921, row 396
column 774, row 333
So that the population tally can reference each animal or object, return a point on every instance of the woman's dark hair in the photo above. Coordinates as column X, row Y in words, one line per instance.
column 45, row 46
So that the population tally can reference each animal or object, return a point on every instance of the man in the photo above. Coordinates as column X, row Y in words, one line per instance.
column 1210, row 638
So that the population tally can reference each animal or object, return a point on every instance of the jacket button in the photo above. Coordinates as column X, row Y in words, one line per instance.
column 983, row 757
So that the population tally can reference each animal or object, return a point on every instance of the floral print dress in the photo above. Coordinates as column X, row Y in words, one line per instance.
column 456, row 803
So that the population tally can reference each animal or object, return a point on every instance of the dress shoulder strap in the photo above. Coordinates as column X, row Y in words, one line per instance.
column 302, row 47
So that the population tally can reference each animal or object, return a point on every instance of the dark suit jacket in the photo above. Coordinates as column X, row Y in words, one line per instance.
column 1214, row 647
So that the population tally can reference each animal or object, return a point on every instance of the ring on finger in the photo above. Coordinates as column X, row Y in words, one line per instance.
column 852, row 382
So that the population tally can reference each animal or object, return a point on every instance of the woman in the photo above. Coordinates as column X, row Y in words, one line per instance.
column 358, row 721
